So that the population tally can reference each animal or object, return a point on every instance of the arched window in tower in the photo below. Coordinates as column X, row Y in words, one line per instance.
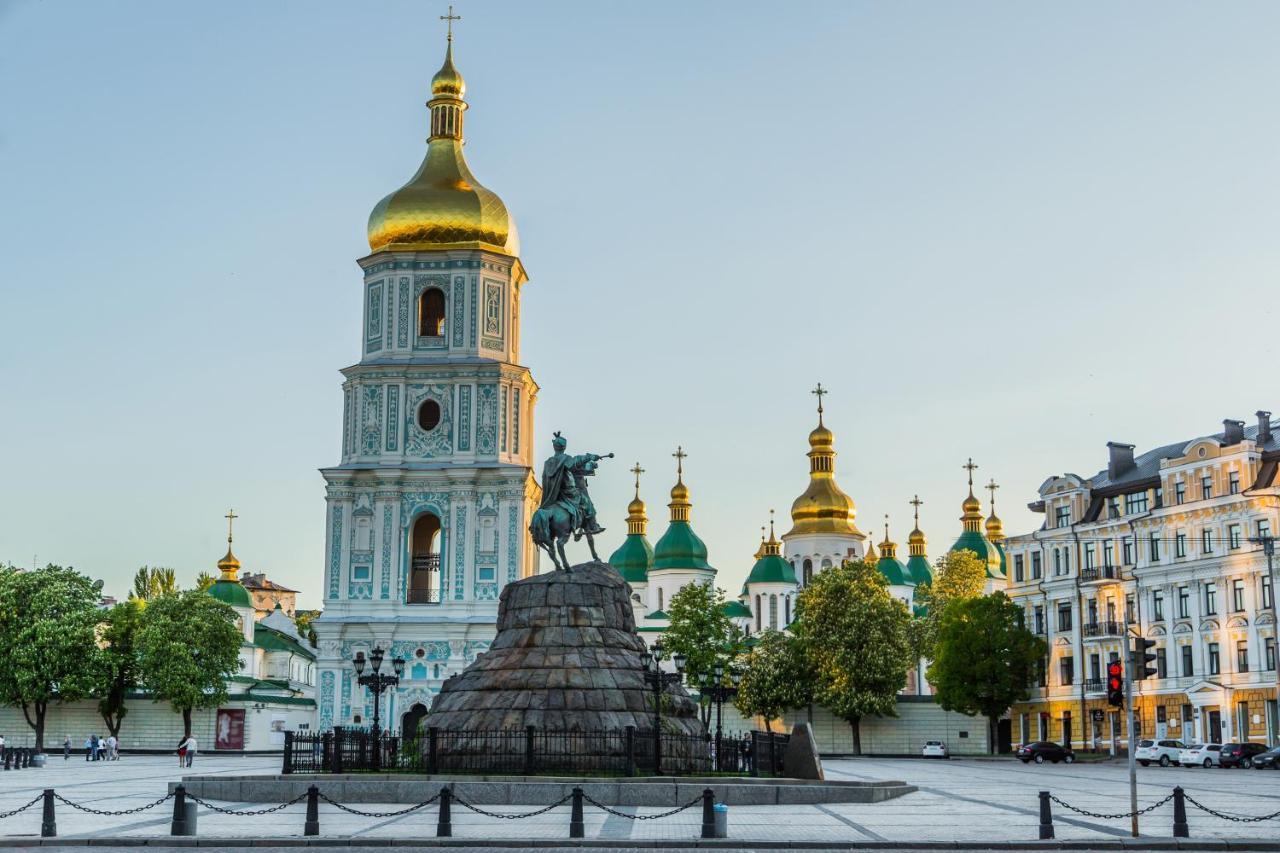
column 424, row 561
column 431, row 313
column 787, row 599
column 759, row 615
column 659, row 598
column 428, row 415
column 807, row 572
column 773, row 612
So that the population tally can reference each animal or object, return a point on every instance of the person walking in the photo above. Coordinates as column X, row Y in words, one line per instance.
column 66, row 748
column 182, row 751
column 113, row 748
column 88, row 748
column 191, row 749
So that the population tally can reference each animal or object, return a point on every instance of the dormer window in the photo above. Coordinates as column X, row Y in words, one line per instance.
column 431, row 313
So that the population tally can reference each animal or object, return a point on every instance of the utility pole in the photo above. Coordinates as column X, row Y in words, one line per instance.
column 1133, row 741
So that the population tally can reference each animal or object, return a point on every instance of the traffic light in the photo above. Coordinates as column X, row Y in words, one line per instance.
column 1115, row 684
column 1142, row 659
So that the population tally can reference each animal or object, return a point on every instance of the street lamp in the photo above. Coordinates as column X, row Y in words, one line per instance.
column 377, row 681
column 718, row 692
column 651, row 665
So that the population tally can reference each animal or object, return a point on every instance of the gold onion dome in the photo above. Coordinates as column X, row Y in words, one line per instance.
column 823, row 508
column 229, row 566
column 443, row 206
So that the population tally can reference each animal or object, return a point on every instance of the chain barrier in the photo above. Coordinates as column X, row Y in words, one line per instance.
column 480, row 811
column 20, row 809
column 695, row 801
column 1236, row 818
column 1117, row 815
column 106, row 813
column 350, row 810
column 246, row 812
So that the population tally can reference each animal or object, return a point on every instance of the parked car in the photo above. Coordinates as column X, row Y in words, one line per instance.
column 1270, row 758
column 934, row 749
column 1200, row 755
column 1044, row 750
column 1163, row 752
column 1240, row 754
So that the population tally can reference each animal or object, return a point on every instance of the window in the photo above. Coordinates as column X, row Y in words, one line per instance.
column 1093, row 611
column 431, row 313
column 1089, row 557
column 1233, row 536
column 1057, row 562
column 1064, row 617
column 1184, row 603
column 1242, row 656
column 1179, row 493
column 1233, row 483
column 1066, row 561
column 1062, row 516
column 428, row 415
column 1266, row 591
column 1215, row 659
column 1269, row 653
column 1108, row 554
column 1066, row 669
column 1162, row 715
column 1017, row 568
column 1159, row 497
column 1206, row 541
column 1039, row 618
column 1180, row 544
column 1042, row 678
column 1095, row 667
column 1129, row 615
column 1157, row 605
column 1036, row 570
column 1210, row 599
column 1162, row 662
column 361, row 573
column 1135, row 502
column 1113, row 507
column 1187, row 657
column 1155, row 547
column 1206, row 487
column 1126, row 550
column 1264, row 528
column 1237, row 595
column 807, row 571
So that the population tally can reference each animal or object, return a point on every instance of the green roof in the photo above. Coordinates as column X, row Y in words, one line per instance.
column 772, row 568
column 266, row 637
column 633, row 559
column 921, row 571
column 894, row 571
column 735, row 609
column 230, row 592
column 973, row 541
column 919, row 610
column 1004, row 567
column 657, row 614
column 680, row 548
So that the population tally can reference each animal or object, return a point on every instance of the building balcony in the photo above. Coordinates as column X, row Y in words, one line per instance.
column 424, row 579
column 430, row 595
column 1100, row 630
column 1095, row 685
column 1099, row 574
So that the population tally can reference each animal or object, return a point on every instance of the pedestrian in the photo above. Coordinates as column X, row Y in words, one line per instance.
column 182, row 751
column 113, row 748
column 88, row 748
column 190, row 746
column 66, row 748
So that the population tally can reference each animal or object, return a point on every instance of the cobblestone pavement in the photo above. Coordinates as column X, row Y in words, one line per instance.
column 958, row 800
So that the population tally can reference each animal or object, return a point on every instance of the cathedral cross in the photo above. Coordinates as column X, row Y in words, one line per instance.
column 991, row 487
column 680, row 456
column 637, row 470
column 820, row 392
column 970, row 467
column 231, row 518
column 449, row 19
column 916, row 503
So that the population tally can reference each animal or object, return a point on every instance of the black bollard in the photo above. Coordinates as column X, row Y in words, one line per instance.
column 179, row 824
column 312, row 825
column 1180, row 828
column 576, row 827
column 444, row 821
column 26, row 758
column 8, row 758
column 48, row 823
column 708, row 813
column 1046, row 817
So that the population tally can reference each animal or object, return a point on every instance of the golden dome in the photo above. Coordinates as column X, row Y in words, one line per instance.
column 995, row 527
column 443, row 206
column 871, row 552
column 680, row 503
column 823, row 508
column 888, row 548
column 229, row 566
column 637, row 518
column 915, row 540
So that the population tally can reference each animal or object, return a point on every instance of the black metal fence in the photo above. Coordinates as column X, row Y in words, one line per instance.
column 534, row 752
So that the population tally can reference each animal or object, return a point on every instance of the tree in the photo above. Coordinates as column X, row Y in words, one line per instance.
column 152, row 582
column 188, row 647
column 776, row 678
column 958, row 575
column 700, row 630
column 854, row 638
column 204, row 580
column 48, row 648
column 118, row 661
column 302, row 620
column 985, row 657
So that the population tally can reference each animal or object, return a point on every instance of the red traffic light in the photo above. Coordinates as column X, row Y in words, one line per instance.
column 1114, row 670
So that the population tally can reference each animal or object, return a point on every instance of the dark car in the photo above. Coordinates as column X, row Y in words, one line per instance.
column 1044, row 750
column 1270, row 758
column 1240, row 754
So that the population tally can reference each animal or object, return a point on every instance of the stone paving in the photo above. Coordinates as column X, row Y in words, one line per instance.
column 958, row 800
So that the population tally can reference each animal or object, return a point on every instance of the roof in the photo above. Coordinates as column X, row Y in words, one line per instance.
column 894, row 571
column 633, row 559
column 971, row 540
column 657, row 614
column 230, row 592
column 259, row 581
column 921, row 571
column 735, row 610
column 268, row 638
column 772, row 568
column 680, row 548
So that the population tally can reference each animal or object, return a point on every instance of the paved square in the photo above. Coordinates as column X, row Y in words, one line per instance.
column 958, row 800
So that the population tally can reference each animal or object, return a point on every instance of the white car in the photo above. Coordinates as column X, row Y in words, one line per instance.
column 934, row 749
column 1201, row 755
column 1163, row 752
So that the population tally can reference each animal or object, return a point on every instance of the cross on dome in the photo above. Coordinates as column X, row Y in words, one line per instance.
column 991, row 487
column 970, row 467
column 820, row 392
column 637, row 470
column 916, row 503
column 231, row 518
column 680, row 456
column 449, row 19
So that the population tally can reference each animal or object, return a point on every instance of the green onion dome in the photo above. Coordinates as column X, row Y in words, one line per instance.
column 889, row 564
column 634, row 558
column 680, row 547
column 227, row 588
column 770, row 567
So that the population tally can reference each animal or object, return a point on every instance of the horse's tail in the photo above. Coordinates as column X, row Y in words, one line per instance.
column 540, row 527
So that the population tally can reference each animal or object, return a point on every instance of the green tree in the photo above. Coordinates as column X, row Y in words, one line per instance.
column 700, row 630
column 302, row 620
column 188, row 647
column 958, row 575
column 152, row 582
column 118, row 661
column 204, row 580
column 48, row 646
column 776, row 678
column 985, row 657
column 854, row 637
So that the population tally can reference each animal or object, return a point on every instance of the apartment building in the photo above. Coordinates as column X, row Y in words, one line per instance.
column 1171, row 545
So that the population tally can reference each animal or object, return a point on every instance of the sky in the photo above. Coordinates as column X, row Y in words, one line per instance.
column 1006, row 230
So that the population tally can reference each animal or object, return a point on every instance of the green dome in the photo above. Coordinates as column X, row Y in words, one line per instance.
column 680, row 548
column 633, row 559
column 1004, row 567
column 771, row 568
column 971, row 540
column 736, row 609
column 919, row 610
column 920, row 570
column 230, row 592
column 894, row 571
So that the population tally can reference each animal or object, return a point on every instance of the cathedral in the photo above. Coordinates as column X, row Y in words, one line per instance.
column 428, row 508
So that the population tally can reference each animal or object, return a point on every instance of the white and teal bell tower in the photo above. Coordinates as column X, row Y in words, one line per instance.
column 428, row 511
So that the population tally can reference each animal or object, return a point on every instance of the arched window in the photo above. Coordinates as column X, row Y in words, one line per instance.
column 807, row 572
column 773, row 612
column 431, row 313
column 787, row 599
column 659, row 598
column 826, row 564
column 428, row 415
column 759, row 615
column 424, row 561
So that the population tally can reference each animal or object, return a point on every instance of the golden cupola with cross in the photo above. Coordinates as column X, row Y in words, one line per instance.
column 823, row 508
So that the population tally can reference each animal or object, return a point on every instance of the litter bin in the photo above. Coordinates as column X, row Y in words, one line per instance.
column 39, row 759
column 722, row 820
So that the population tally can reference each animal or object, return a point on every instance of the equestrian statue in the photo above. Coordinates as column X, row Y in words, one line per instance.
column 566, row 508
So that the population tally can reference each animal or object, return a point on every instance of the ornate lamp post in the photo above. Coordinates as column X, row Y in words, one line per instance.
column 377, row 682
column 718, row 692
column 651, row 661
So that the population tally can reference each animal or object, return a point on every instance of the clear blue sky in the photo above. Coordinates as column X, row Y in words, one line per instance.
column 1007, row 230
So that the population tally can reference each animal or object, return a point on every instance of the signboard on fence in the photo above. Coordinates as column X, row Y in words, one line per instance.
column 229, row 731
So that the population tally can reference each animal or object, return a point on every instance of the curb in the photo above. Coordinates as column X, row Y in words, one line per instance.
column 1154, row 843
